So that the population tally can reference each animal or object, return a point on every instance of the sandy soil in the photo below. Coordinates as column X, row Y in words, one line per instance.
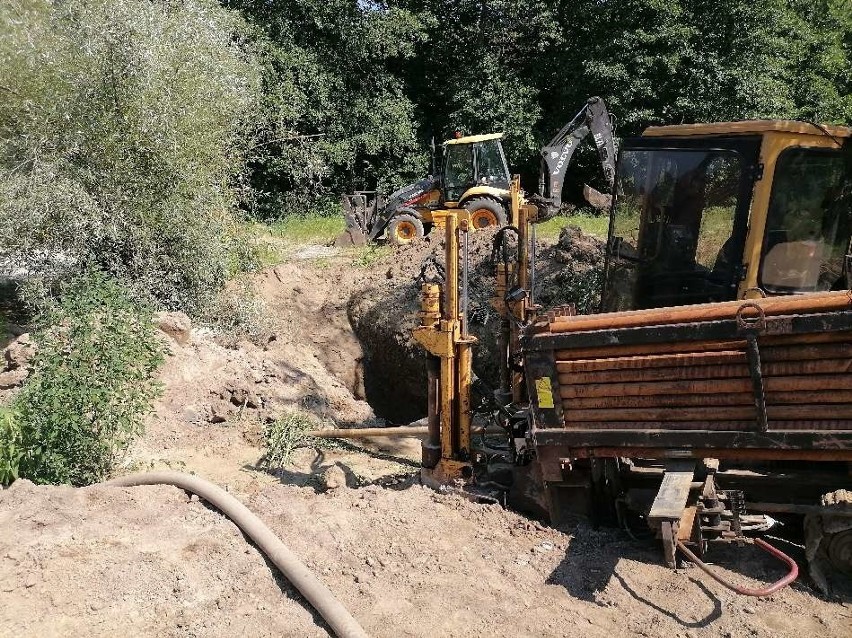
column 406, row 560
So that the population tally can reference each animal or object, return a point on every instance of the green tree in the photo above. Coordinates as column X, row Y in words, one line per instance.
column 336, row 113
column 122, row 128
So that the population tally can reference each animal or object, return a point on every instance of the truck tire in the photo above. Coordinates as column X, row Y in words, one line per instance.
column 404, row 229
column 485, row 212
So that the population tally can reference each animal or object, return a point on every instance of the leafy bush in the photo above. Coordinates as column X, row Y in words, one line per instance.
column 92, row 383
column 122, row 135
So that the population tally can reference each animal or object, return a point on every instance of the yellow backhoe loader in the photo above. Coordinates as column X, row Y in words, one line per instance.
column 475, row 178
column 712, row 395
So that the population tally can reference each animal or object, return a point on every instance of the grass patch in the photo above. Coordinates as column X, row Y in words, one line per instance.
column 366, row 256
column 308, row 228
column 287, row 434
column 597, row 225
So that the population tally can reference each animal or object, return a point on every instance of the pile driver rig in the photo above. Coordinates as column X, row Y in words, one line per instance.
column 712, row 394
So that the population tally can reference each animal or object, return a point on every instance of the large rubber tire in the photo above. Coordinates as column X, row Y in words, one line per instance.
column 404, row 229
column 486, row 212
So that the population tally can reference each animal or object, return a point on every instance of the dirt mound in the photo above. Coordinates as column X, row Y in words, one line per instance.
column 571, row 271
column 384, row 313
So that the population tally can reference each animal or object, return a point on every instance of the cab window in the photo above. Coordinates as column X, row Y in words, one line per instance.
column 808, row 223
column 458, row 171
column 672, row 228
column 491, row 165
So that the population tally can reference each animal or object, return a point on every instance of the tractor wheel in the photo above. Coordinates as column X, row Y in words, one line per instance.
column 404, row 229
column 485, row 212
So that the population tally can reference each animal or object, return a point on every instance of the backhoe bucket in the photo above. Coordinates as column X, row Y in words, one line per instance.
column 356, row 214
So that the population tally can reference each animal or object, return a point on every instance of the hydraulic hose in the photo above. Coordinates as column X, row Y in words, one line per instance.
column 335, row 614
column 791, row 575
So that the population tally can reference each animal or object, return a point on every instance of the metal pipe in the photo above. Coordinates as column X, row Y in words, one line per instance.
column 532, row 264
column 451, row 288
column 465, row 290
column 402, row 430
column 432, row 445
column 318, row 595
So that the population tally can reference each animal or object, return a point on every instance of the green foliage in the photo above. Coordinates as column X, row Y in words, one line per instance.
column 335, row 114
column 91, row 385
column 354, row 90
column 590, row 222
column 285, row 435
column 11, row 446
column 309, row 228
column 122, row 129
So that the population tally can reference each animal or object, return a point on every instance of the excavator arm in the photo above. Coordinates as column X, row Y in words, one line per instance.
column 556, row 155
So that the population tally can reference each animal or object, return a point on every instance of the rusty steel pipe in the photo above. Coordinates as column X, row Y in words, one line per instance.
column 746, row 591
column 403, row 430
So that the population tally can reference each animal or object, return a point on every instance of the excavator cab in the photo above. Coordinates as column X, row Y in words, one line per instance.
column 717, row 212
column 476, row 160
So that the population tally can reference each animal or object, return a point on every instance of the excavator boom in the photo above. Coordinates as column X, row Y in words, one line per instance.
column 556, row 155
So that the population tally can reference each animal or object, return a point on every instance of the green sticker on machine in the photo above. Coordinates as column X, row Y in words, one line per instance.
column 545, row 392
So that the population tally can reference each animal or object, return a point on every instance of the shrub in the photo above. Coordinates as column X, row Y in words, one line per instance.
column 122, row 134
column 285, row 435
column 11, row 446
column 91, row 384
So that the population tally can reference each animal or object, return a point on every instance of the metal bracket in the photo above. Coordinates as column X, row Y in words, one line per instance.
column 751, row 327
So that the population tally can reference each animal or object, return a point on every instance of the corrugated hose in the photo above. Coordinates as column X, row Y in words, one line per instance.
column 335, row 614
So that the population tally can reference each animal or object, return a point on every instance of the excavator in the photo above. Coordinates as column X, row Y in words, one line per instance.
column 475, row 178
column 710, row 399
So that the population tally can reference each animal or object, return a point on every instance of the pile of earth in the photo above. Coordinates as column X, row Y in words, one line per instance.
column 384, row 311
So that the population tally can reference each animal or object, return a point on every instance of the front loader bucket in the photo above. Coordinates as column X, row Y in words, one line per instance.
column 357, row 211
column 351, row 237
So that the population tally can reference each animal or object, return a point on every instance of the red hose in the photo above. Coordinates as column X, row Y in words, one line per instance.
column 745, row 591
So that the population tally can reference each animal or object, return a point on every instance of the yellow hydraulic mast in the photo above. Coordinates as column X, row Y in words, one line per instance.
column 443, row 332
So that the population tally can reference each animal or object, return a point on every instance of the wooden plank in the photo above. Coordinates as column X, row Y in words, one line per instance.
column 673, row 493
column 707, row 386
column 771, row 306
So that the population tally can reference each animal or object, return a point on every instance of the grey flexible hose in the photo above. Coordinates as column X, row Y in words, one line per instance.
column 334, row 613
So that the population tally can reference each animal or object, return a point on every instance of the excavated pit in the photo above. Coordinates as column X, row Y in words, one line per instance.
column 384, row 312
